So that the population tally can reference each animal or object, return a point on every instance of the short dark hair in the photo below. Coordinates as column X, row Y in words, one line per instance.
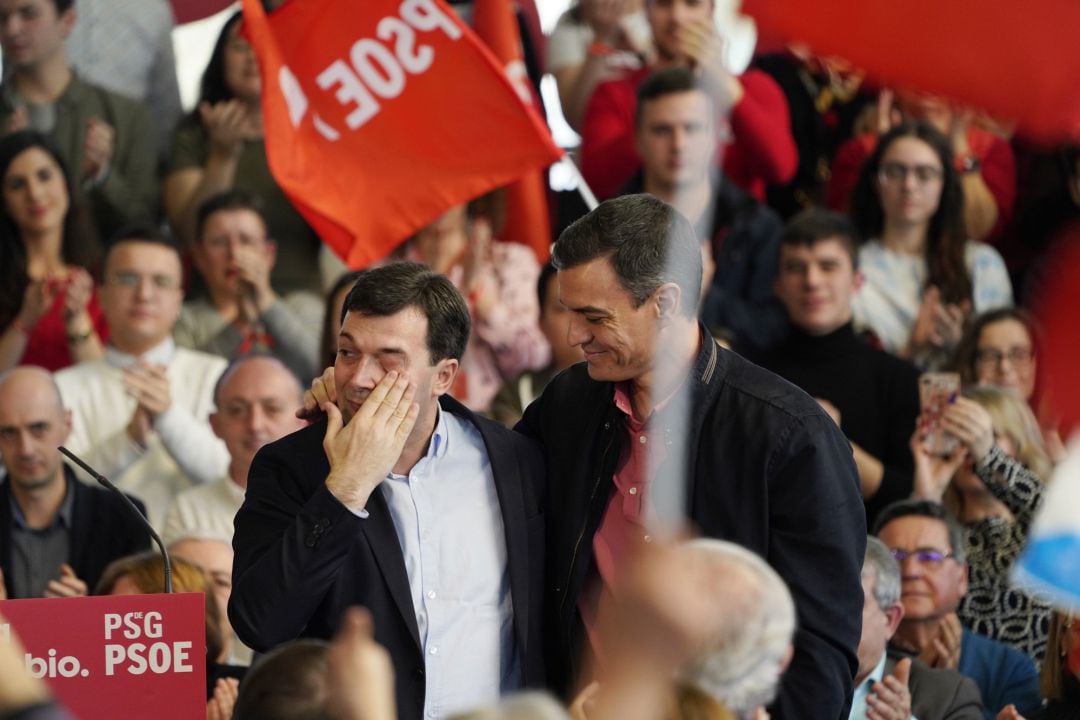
column 665, row 82
column 286, row 684
column 389, row 289
column 813, row 225
column 546, row 274
column 235, row 199
column 141, row 232
column 648, row 242
column 928, row 509
column 62, row 5
column 963, row 360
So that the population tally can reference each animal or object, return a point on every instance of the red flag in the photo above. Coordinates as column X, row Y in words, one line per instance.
column 527, row 218
column 378, row 116
column 1015, row 60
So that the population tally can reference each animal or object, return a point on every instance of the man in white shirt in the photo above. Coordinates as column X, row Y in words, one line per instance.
column 140, row 414
column 256, row 400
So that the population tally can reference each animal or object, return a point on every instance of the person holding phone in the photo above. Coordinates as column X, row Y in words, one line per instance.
column 991, row 482
column 49, row 314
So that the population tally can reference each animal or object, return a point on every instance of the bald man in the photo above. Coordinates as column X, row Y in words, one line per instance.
column 56, row 534
column 256, row 400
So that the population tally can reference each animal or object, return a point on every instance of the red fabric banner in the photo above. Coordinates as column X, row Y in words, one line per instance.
column 126, row 656
column 378, row 116
column 191, row 10
column 527, row 218
column 1015, row 60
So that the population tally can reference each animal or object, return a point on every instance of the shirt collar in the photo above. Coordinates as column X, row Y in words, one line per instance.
column 160, row 354
column 440, row 439
column 624, row 401
column 63, row 515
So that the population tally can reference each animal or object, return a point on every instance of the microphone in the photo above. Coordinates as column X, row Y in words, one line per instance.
column 131, row 506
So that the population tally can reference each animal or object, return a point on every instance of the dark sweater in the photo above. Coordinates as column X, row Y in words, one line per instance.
column 876, row 393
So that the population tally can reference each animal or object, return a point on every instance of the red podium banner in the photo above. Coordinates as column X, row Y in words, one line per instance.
column 124, row 656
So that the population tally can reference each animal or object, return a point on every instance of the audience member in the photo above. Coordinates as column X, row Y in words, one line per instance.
column 335, row 301
column 345, row 512
column 498, row 279
column 235, row 256
column 106, row 141
column 872, row 396
column 219, row 146
column 1060, row 681
column 140, row 414
column 923, row 276
column 764, row 466
column 520, row 706
column 516, row 394
column 928, row 545
column 761, row 150
column 125, row 46
column 982, row 159
column 49, row 314
column 144, row 574
column 992, row 482
column 676, row 141
column 594, row 41
column 256, row 401
column 888, row 687
column 56, row 534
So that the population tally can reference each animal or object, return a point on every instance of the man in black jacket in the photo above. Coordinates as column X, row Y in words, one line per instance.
column 748, row 457
column 56, row 534
column 402, row 501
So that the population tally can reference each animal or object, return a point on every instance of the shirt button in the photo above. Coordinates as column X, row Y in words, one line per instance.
column 648, row 538
column 633, row 491
column 431, row 594
column 434, row 650
column 641, row 439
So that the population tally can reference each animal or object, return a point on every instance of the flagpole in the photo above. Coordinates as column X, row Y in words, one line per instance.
column 582, row 187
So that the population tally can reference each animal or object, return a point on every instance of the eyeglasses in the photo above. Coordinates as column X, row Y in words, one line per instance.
column 925, row 556
column 896, row 173
column 1017, row 356
column 132, row 280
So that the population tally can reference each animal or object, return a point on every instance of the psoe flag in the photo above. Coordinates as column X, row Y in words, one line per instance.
column 1050, row 563
column 380, row 115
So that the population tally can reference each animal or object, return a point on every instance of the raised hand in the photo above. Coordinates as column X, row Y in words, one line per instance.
column 359, row 674
column 323, row 390
column 98, row 147
column 67, row 585
column 968, row 422
column 932, row 471
column 149, row 385
column 362, row 452
column 943, row 652
column 228, row 124
column 890, row 699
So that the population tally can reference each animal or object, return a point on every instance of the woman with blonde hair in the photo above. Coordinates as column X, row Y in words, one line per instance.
column 1060, row 680
column 992, row 484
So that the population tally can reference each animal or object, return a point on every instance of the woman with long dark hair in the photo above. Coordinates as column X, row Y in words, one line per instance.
column 48, row 311
column 923, row 276
column 219, row 146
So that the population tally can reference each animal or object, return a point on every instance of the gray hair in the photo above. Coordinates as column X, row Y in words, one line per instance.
column 742, row 665
column 879, row 563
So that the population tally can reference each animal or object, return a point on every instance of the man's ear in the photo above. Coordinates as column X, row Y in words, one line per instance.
column 215, row 422
column 859, row 280
column 445, row 373
column 668, row 301
column 67, row 21
column 894, row 614
column 67, row 426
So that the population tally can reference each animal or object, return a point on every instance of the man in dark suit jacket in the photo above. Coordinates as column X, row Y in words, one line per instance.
column 402, row 501
column 56, row 534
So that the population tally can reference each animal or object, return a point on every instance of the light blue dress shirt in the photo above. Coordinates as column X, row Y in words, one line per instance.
column 858, row 702
column 448, row 520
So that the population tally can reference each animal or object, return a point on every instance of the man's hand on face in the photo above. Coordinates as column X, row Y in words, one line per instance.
column 253, row 270
column 362, row 452
column 323, row 390
column 890, row 699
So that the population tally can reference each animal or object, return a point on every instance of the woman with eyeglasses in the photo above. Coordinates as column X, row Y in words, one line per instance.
column 923, row 276
column 49, row 314
column 992, row 483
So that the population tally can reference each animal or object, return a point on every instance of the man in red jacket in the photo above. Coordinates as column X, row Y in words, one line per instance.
column 759, row 151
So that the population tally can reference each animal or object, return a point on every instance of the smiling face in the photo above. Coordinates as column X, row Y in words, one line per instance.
column 35, row 192
column 1005, row 356
column 928, row 590
column 816, row 284
column 618, row 339
column 909, row 182
column 676, row 140
column 370, row 346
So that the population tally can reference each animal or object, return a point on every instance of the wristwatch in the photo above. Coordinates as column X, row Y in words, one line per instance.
column 968, row 164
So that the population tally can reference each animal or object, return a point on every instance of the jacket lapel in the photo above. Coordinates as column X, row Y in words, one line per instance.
column 378, row 528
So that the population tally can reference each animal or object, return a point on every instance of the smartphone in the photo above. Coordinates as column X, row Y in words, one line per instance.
column 936, row 391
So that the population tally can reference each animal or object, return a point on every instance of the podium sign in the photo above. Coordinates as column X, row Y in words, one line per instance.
column 135, row 656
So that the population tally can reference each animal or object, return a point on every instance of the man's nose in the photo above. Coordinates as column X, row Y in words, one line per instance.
column 576, row 333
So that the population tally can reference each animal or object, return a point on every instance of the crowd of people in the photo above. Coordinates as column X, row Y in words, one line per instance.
column 685, row 468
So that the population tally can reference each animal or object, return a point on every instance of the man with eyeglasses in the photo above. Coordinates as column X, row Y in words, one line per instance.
column 928, row 544
column 140, row 414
